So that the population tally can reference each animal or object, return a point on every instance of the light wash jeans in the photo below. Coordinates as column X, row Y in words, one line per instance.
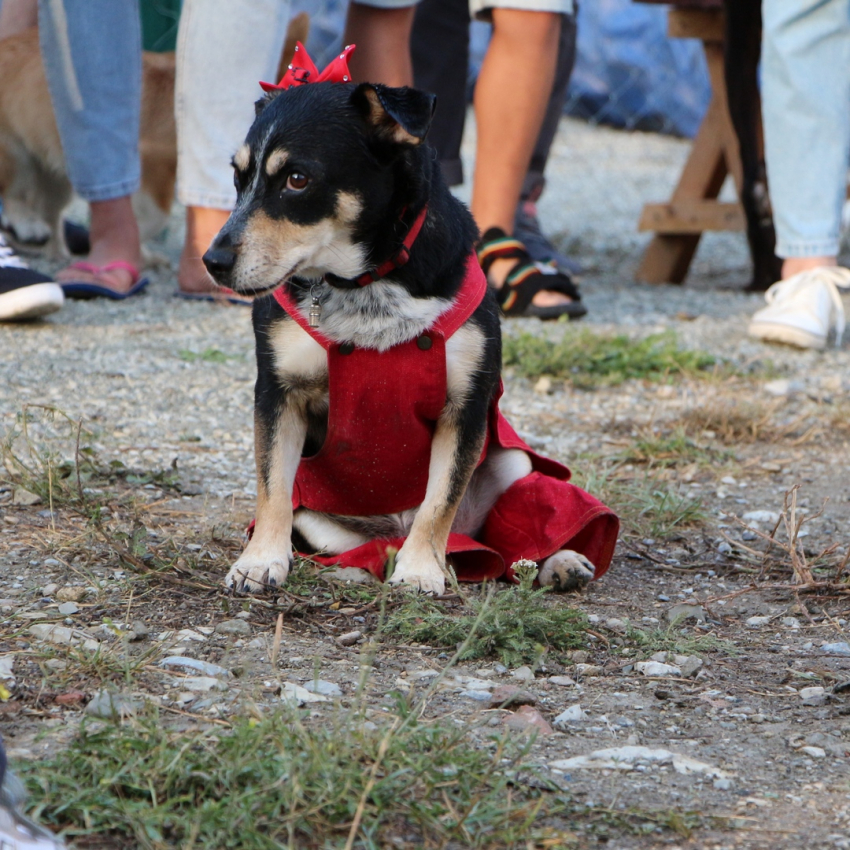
column 92, row 52
column 806, row 110
column 224, row 49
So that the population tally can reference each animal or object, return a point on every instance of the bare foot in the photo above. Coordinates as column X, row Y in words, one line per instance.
column 114, row 237
column 202, row 224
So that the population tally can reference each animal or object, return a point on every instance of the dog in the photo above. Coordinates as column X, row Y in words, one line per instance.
column 378, row 353
column 34, row 183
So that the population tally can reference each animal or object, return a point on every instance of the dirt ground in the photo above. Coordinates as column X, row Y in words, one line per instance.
column 754, row 703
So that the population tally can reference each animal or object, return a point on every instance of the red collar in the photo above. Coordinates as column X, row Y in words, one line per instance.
column 396, row 261
column 466, row 301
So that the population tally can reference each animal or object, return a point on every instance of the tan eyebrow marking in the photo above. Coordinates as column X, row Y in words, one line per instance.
column 242, row 158
column 276, row 161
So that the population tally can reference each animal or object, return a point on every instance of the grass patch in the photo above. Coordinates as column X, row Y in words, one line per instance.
column 649, row 641
column 277, row 782
column 646, row 505
column 515, row 624
column 588, row 359
column 671, row 449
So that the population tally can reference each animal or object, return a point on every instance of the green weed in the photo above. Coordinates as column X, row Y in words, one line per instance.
column 516, row 624
column 671, row 639
column 208, row 355
column 588, row 359
column 670, row 449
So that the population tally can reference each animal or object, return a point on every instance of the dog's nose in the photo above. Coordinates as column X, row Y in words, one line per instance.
column 219, row 261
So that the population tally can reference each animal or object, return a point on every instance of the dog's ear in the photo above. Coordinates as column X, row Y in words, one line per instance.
column 399, row 116
column 264, row 101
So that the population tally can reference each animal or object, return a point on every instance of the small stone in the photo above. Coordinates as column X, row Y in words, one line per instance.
column 233, row 627
column 528, row 719
column 616, row 624
column 580, row 656
column 767, row 517
column 723, row 784
column 52, row 562
column 587, row 670
column 543, row 385
column 138, row 630
column 790, row 622
column 691, row 666
column 243, row 615
column 510, row 696
column 757, row 622
column 840, row 648
column 68, row 608
column 204, row 667
column 326, row 689
column 70, row 594
column 525, row 674
column 661, row 656
column 349, row 638
column 814, row 752
column 56, row 664
column 724, row 548
column 814, row 691
column 25, row 497
column 656, row 668
column 297, row 696
column 49, row 589
column 663, row 597
column 202, row 683
column 779, row 387
column 573, row 714
column 480, row 696
column 565, row 681
column 107, row 706
column 51, row 633
column 684, row 612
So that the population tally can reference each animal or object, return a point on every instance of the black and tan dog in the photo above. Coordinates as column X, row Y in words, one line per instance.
column 343, row 215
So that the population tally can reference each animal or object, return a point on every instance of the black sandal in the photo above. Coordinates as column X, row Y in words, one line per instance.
column 526, row 279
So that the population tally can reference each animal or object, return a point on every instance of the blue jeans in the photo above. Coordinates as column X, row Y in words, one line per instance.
column 92, row 52
column 806, row 107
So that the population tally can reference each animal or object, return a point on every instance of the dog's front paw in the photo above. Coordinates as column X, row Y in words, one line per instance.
column 566, row 570
column 255, row 572
column 420, row 571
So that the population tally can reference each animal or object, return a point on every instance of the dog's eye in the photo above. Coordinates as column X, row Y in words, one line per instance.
column 237, row 180
column 297, row 182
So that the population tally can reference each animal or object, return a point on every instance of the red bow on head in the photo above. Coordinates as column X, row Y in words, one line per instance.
column 302, row 70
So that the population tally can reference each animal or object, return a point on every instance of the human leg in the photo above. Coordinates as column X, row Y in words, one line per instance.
column 16, row 16
column 221, row 57
column 381, row 30
column 806, row 106
column 93, row 60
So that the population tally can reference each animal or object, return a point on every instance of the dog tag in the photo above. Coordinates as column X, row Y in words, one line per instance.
column 315, row 312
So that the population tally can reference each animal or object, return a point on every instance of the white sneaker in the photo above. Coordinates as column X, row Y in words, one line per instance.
column 19, row 833
column 24, row 293
column 803, row 309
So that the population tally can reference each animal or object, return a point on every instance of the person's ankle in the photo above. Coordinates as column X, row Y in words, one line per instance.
column 795, row 265
column 202, row 225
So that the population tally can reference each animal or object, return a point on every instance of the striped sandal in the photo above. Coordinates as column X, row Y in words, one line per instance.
column 526, row 279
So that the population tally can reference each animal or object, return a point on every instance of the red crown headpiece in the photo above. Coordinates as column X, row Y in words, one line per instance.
column 302, row 70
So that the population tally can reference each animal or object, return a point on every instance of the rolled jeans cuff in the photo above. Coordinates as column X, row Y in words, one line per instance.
column 822, row 248
column 193, row 198
column 110, row 191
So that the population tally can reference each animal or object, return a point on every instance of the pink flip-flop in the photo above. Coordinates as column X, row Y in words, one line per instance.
column 87, row 289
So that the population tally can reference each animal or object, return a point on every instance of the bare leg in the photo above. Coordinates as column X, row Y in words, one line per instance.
column 795, row 265
column 202, row 224
column 114, row 237
column 17, row 16
column 511, row 96
column 382, row 37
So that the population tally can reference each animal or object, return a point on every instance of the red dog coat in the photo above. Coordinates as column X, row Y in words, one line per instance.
column 383, row 411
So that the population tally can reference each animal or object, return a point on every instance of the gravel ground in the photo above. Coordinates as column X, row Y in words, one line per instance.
column 165, row 385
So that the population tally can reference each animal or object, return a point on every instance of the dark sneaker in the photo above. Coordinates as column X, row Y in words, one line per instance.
column 24, row 293
column 527, row 230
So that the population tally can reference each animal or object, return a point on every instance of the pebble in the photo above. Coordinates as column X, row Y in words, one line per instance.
column 202, row 683
column 814, row 752
column 543, row 385
column 51, row 633
column 589, row 670
column 25, row 497
column 70, row 594
column 204, row 667
column 724, row 548
column 579, row 656
column 509, row 696
column 52, row 562
column 525, row 674
column 757, row 622
column 681, row 613
column 49, row 589
column 840, row 648
column 656, row 668
column 565, row 681
column 814, row 691
column 138, row 630
column 295, row 695
column 690, row 666
column 528, row 719
column 106, row 705
column 349, row 638
column 480, row 696
column 326, row 689
column 233, row 627
column 573, row 714
column 67, row 608
column 767, row 517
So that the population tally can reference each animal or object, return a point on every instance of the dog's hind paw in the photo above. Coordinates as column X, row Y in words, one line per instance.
column 566, row 570
column 423, row 574
column 252, row 574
